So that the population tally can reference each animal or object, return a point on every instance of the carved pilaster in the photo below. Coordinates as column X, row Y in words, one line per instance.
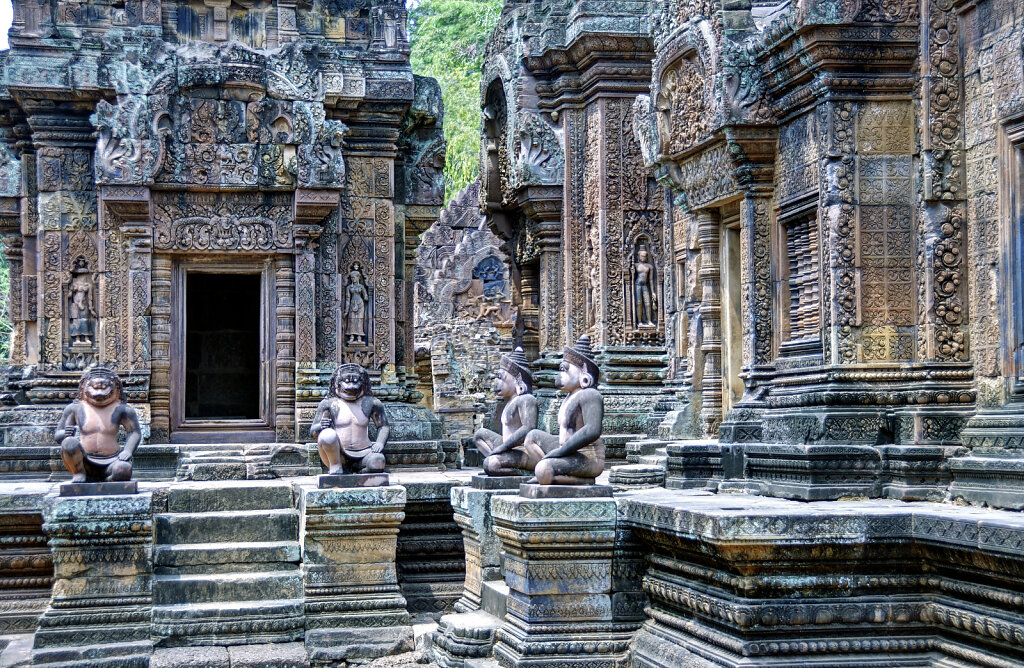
column 284, row 391
column 160, row 382
column 711, row 315
column 543, row 205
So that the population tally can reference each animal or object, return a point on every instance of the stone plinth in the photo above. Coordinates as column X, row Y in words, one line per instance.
column 102, row 592
column 693, row 464
column 472, row 508
column 354, row 480
column 558, row 566
column 354, row 608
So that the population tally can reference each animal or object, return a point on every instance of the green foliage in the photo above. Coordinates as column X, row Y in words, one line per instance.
column 447, row 39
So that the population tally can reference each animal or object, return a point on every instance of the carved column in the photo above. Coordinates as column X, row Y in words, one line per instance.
column 543, row 204
column 160, row 380
column 711, row 317
column 305, row 293
column 284, row 392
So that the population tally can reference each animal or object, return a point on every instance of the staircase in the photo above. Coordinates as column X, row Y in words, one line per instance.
column 226, row 565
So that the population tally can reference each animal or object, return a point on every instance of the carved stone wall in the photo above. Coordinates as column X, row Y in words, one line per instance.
column 268, row 134
column 464, row 317
column 564, row 184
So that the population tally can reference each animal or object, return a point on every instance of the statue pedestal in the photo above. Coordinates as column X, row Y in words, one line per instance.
column 472, row 509
column 349, row 480
column 354, row 608
column 102, row 589
column 558, row 567
column 498, row 482
column 99, row 488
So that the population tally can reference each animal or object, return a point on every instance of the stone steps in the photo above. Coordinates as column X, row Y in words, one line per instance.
column 208, row 554
column 192, row 498
column 170, row 589
column 227, row 566
column 227, row 526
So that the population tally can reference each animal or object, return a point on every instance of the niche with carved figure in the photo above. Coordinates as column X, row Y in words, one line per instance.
column 80, row 347
column 644, row 286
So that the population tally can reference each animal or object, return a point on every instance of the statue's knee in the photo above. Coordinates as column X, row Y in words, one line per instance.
column 328, row 438
column 119, row 471
column 70, row 446
column 374, row 463
column 545, row 472
column 491, row 465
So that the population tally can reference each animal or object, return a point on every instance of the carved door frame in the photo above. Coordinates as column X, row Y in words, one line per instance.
column 211, row 431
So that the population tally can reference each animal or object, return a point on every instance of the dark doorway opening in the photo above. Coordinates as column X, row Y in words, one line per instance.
column 222, row 346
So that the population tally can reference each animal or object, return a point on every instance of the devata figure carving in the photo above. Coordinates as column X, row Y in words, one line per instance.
column 643, row 291
column 505, row 453
column 355, row 307
column 81, row 314
column 87, row 431
column 576, row 455
column 341, row 424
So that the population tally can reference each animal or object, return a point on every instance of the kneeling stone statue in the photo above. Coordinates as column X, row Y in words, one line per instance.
column 576, row 455
column 505, row 453
column 341, row 424
column 87, row 430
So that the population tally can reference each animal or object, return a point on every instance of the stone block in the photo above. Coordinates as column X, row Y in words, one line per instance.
column 227, row 526
column 199, row 498
column 354, row 607
column 471, row 507
column 277, row 655
column 534, row 491
column 558, row 566
column 463, row 636
column 508, row 482
column 345, row 644
column 99, row 488
column 100, row 610
column 191, row 657
column 354, row 480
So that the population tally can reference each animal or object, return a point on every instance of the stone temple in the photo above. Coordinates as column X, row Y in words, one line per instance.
column 790, row 229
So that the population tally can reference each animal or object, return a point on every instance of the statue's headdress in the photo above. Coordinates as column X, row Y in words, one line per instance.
column 517, row 367
column 348, row 368
column 582, row 355
column 101, row 372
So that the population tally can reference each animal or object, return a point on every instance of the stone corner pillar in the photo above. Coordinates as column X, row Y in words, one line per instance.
column 558, row 567
column 100, row 612
column 472, row 510
column 354, row 607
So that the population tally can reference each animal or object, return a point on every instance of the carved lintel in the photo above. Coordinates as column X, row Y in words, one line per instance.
column 312, row 206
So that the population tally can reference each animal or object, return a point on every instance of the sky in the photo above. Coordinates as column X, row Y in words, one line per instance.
column 5, row 21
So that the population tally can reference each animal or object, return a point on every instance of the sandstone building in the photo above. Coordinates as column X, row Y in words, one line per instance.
column 791, row 229
column 165, row 160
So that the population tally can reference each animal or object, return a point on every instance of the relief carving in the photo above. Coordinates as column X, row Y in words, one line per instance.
column 227, row 222
column 541, row 159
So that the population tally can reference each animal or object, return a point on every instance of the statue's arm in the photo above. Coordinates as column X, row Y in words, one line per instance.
column 68, row 420
column 592, row 406
column 322, row 411
column 380, row 418
column 527, row 422
column 130, row 422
